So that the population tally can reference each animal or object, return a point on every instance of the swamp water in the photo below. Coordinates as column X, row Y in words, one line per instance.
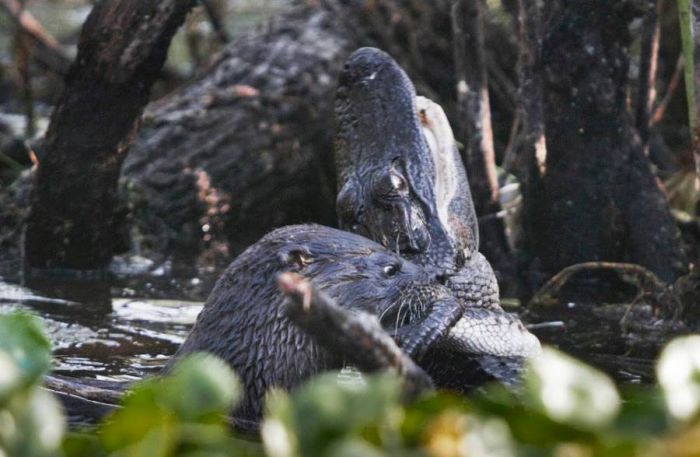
column 118, row 330
column 128, row 327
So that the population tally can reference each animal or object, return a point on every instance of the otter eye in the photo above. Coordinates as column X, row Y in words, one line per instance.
column 391, row 269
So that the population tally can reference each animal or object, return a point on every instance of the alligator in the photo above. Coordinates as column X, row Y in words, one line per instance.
column 401, row 182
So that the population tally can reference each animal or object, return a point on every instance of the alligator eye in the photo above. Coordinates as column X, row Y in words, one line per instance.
column 398, row 183
column 391, row 270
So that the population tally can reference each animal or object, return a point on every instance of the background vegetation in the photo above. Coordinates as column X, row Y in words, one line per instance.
column 602, row 79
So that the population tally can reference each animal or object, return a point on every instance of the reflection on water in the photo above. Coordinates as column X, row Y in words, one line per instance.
column 601, row 318
column 621, row 339
column 98, row 332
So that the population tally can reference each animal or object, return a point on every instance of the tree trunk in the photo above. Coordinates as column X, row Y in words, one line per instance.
column 598, row 198
column 532, row 148
column 475, row 130
column 122, row 48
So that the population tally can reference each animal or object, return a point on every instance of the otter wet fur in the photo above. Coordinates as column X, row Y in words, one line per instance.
column 244, row 323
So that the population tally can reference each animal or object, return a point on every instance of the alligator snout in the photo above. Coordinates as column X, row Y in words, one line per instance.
column 364, row 65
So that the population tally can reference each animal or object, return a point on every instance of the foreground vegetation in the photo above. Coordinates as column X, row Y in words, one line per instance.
column 564, row 408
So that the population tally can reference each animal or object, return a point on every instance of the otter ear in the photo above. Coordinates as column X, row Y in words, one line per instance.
column 296, row 256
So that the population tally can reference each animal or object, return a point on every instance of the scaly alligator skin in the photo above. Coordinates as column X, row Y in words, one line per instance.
column 402, row 183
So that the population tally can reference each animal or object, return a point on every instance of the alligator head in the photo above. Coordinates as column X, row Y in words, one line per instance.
column 400, row 182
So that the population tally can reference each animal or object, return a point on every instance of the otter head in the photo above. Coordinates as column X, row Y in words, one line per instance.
column 360, row 274
column 400, row 179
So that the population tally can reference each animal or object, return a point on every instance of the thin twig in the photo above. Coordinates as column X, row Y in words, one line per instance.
column 513, row 140
column 690, row 30
column 533, row 145
column 47, row 50
column 646, row 92
column 10, row 162
column 21, row 56
column 670, row 91
column 649, row 282
column 507, row 90
column 216, row 22
column 104, row 392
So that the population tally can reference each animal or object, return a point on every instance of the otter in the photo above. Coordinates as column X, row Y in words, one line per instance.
column 244, row 322
column 402, row 183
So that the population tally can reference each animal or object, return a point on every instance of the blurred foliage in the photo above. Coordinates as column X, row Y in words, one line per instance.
column 184, row 414
column 685, row 19
column 563, row 408
column 31, row 421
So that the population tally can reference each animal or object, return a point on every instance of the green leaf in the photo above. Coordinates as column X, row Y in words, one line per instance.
column 421, row 412
column 82, row 444
column 11, row 379
column 355, row 448
column 201, row 385
column 643, row 412
column 489, row 436
column 26, row 352
column 183, row 412
column 137, row 419
column 323, row 412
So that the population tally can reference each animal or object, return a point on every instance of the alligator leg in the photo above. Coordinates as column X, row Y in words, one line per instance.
column 436, row 325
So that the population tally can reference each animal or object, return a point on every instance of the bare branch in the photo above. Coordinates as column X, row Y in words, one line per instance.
column 660, row 109
column 646, row 93
column 357, row 337
column 46, row 49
